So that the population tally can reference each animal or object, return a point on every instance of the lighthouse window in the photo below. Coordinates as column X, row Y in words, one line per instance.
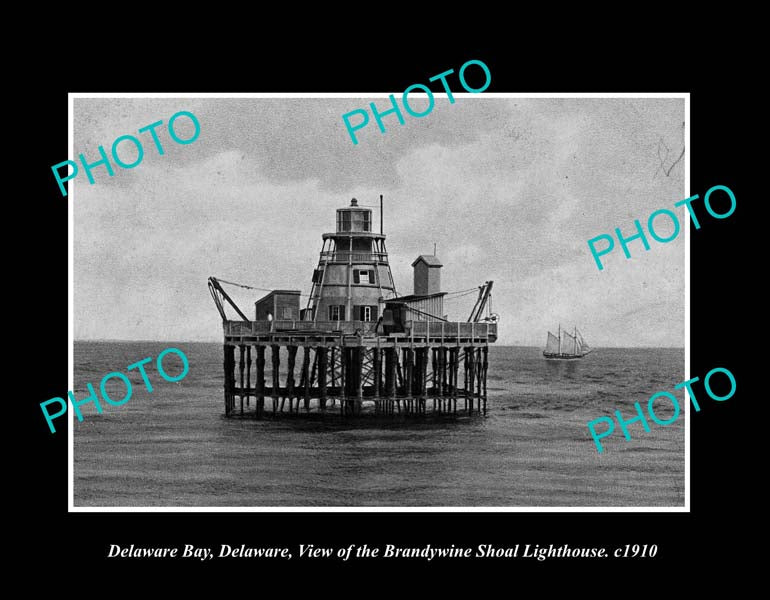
column 367, row 313
column 337, row 312
column 343, row 221
column 367, row 221
column 360, row 276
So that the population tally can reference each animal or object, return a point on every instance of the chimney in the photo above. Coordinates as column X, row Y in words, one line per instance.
column 427, row 275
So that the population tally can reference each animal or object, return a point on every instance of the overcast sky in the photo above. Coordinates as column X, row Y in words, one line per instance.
column 509, row 189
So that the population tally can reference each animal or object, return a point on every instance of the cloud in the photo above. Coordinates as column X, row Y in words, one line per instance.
column 509, row 189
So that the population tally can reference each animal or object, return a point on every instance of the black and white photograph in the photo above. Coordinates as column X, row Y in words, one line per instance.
column 315, row 304
column 318, row 309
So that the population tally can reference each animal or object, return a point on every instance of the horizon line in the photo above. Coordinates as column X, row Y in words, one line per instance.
column 101, row 341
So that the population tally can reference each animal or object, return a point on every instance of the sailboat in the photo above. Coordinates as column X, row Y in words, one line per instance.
column 566, row 345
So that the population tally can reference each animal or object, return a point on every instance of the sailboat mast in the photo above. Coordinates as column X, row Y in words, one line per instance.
column 559, row 338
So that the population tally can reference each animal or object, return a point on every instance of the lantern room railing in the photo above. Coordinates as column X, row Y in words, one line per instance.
column 356, row 257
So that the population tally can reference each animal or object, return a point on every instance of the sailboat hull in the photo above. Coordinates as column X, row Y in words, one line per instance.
column 558, row 356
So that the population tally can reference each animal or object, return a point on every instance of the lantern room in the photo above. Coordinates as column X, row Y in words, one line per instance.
column 354, row 218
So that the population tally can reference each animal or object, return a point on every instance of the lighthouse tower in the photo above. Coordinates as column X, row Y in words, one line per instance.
column 353, row 275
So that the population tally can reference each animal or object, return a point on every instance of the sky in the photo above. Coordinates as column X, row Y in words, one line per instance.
column 509, row 189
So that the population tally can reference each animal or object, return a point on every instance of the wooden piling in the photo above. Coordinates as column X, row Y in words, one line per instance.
column 435, row 370
column 315, row 366
column 359, row 379
column 321, row 354
column 260, row 383
column 290, row 376
column 408, row 378
column 241, row 360
column 478, row 377
column 485, row 367
column 225, row 380
column 377, row 368
column 423, row 381
column 465, row 375
column 306, row 376
column 229, row 366
column 399, row 374
column 248, row 372
column 419, row 361
column 426, row 391
column 444, row 369
column 470, row 370
column 344, row 353
column 412, row 378
column 446, row 375
column 276, row 350
column 390, row 378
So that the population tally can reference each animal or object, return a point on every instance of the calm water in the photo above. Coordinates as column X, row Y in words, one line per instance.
column 174, row 447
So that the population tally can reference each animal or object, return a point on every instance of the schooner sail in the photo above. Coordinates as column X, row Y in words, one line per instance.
column 569, row 345
column 552, row 345
column 566, row 345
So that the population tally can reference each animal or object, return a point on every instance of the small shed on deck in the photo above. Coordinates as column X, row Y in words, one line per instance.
column 279, row 304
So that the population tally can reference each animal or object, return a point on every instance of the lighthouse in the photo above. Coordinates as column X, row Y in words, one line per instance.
column 353, row 277
column 356, row 341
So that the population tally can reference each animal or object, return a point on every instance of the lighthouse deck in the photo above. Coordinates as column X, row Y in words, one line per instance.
column 358, row 333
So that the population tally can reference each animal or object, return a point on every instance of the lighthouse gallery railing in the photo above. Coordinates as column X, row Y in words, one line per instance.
column 345, row 256
column 435, row 331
